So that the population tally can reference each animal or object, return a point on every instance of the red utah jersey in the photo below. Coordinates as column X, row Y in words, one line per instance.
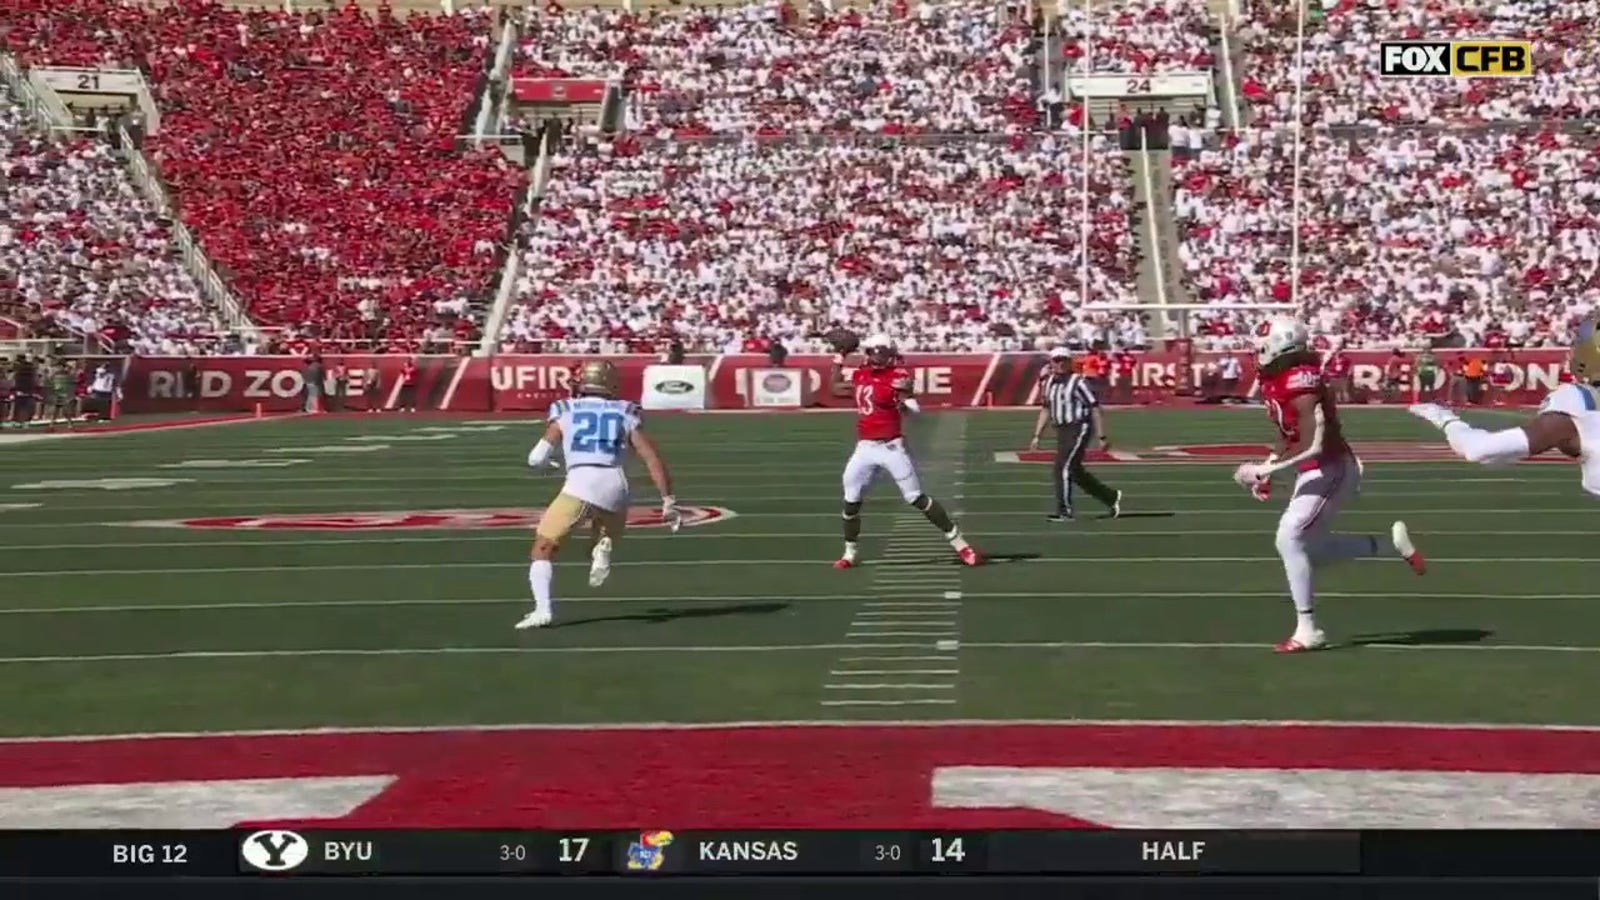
column 878, row 393
column 1279, row 391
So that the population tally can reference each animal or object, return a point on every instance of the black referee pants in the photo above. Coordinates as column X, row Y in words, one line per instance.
column 1072, row 444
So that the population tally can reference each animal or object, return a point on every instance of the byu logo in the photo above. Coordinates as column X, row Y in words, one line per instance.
column 275, row 851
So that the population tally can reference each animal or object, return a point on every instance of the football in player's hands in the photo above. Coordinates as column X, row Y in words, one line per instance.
column 844, row 341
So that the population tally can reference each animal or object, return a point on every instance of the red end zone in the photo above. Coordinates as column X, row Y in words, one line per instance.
column 1217, row 454
column 944, row 776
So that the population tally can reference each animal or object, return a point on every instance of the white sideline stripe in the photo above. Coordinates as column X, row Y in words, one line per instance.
column 878, row 634
column 758, row 725
column 1255, row 511
column 770, row 648
column 711, row 534
column 895, row 672
column 725, row 598
column 920, row 701
column 889, row 686
column 924, row 576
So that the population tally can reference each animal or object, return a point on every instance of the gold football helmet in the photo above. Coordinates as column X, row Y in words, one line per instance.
column 599, row 377
column 1584, row 363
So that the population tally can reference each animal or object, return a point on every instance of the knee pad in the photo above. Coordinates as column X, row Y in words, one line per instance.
column 852, row 510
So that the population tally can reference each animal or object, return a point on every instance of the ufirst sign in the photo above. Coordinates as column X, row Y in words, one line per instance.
column 530, row 383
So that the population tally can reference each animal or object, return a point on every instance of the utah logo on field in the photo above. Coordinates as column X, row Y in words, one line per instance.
column 426, row 519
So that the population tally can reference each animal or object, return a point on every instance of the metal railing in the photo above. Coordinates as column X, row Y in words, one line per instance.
column 194, row 259
column 47, row 110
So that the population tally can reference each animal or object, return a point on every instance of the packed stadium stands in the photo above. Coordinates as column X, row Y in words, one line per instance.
column 312, row 153
column 81, row 251
column 953, row 244
column 787, row 167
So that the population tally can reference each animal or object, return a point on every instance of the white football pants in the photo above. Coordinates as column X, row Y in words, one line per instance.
column 1305, row 537
column 892, row 457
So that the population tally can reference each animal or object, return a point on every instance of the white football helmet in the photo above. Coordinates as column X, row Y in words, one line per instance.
column 1284, row 335
column 879, row 341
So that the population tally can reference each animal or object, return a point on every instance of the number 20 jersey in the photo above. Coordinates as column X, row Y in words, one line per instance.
column 595, row 434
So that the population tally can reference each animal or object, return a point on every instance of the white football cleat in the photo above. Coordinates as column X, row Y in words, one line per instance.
column 1301, row 643
column 539, row 618
column 600, row 563
column 1400, row 535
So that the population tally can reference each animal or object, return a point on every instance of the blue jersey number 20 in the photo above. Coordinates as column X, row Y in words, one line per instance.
column 597, row 432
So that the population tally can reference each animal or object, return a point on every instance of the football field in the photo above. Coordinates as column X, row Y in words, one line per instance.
column 362, row 572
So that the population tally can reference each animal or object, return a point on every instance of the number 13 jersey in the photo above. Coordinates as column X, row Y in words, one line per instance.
column 595, row 433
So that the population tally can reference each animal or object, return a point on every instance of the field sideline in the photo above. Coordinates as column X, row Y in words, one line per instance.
column 353, row 579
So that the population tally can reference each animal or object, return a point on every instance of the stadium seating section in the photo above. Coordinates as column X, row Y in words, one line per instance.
column 788, row 167
column 313, row 153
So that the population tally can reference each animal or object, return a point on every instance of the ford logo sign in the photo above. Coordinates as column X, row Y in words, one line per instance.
column 674, row 387
column 775, row 383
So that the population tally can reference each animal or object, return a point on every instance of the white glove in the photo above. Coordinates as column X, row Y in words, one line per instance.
column 670, row 514
column 1434, row 414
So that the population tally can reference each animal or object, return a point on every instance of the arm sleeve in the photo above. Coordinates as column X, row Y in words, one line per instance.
column 1486, row 447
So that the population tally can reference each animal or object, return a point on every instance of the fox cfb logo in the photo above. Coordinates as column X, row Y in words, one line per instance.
column 274, row 851
column 1459, row 59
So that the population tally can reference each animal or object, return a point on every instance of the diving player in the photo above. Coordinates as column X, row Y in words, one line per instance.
column 595, row 430
column 1568, row 420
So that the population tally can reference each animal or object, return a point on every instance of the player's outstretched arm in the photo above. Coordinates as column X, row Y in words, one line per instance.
column 653, row 463
column 1545, row 431
column 539, row 456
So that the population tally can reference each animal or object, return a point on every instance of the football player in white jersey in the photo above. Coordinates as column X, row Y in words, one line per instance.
column 594, row 430
column 1568, row 420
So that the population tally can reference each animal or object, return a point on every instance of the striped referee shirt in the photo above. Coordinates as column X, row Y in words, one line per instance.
column 1069, row 400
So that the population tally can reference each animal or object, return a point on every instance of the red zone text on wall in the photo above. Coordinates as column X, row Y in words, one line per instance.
column 529, row 383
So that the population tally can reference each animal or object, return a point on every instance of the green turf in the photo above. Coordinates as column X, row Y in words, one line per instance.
column 106, row 627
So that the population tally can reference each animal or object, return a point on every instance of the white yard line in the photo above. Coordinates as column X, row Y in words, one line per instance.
column 917, row 564
column 852, row 646
column 774, row 724
column 903, row 585
column 874, row 608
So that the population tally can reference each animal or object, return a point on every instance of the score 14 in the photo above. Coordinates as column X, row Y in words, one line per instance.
column 947, row 850
column 951, row 853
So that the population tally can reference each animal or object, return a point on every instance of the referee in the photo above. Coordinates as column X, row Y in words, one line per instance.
column 1070, row 406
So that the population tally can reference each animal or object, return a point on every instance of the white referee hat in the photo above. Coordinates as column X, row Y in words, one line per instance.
column 1060, row 353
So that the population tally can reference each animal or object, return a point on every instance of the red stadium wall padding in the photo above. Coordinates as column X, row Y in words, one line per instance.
column 528, row 383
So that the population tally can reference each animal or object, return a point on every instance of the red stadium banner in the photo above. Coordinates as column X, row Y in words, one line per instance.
column 554, row 91
column 529, row 383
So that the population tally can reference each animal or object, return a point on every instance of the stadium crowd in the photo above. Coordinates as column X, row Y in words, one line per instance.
column 311, row 152
column 81, row 251
column 1343, row 87
column 954, row 244
column 788, row 169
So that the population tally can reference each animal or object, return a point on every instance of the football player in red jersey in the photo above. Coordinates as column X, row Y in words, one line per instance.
column 882, row 391
column 1312, row 444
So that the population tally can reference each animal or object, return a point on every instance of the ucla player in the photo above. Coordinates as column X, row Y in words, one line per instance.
column 1568, row 420
column 595, row 430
